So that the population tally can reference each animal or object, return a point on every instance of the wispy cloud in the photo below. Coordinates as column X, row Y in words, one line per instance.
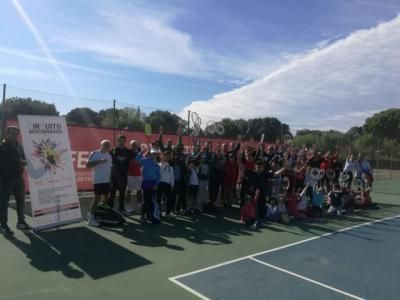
column 42, row 44
column 335, row 86
column 21, row 54
column 22, row 72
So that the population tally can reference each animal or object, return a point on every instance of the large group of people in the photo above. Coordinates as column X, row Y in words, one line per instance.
column 276, row 182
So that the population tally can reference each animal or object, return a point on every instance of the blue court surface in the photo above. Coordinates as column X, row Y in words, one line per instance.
column 360, row 262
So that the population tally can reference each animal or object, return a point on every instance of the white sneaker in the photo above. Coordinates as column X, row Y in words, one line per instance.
column 92, row 222
column 129, row 208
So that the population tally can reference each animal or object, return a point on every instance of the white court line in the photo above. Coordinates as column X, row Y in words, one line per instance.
column 174, row 279
column 306, row 279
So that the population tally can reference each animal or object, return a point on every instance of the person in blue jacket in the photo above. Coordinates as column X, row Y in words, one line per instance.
column 151, row 177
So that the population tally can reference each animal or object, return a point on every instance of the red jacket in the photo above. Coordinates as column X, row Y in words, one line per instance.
column 248, row 210
column 231, row 172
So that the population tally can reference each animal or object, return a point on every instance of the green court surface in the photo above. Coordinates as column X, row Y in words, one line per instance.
column 136, row 262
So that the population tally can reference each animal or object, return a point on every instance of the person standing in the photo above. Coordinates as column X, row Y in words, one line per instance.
column 119, row 172
column 134, row 178
column 12, row 163
column 101, row 162
column 151, row 178
column 166, row 184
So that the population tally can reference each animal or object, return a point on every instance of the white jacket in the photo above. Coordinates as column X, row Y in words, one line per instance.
column 167, row 173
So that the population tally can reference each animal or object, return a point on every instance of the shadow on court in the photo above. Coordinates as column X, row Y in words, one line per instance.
column 59, row 250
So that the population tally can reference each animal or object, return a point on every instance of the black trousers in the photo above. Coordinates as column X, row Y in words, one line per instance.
column 147, row 199
column 14, row 187
column 180, row 194
column 118, row 183
column 165, row 190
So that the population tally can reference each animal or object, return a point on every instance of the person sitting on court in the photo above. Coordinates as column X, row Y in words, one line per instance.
column 272, row 211
column 335, row 200
column 249, row 210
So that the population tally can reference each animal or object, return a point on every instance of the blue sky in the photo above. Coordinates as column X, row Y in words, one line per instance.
column 216, row 57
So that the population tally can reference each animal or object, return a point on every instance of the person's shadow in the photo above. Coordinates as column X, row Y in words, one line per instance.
column 44, row 257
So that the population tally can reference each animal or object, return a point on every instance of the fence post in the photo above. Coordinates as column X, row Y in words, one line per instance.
column 113, row 122
column 3, row 112
column 391, row 160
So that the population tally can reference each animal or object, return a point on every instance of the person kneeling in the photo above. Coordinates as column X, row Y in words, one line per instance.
column 248, row 210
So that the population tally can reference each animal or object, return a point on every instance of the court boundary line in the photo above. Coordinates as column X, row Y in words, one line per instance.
column 305, row 278
column 174, row 279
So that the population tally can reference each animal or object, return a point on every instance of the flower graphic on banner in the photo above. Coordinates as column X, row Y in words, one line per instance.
column 49, row 155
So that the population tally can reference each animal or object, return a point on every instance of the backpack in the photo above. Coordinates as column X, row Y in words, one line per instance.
column 107, row 217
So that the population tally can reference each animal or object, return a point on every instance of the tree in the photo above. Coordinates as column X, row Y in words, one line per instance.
column 83, row 116
column 170, row 122
column 385, row 124
column 26, row 106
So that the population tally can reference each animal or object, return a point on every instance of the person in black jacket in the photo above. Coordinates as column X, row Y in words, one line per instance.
column 12, row 163
column 119, row 172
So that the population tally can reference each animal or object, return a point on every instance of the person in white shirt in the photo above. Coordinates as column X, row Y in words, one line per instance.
column 101, row 162
column 349, row 168
column 167, row 181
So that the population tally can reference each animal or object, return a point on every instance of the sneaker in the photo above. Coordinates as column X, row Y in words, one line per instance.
column 4, row 229
column 23, row 226
column 92, row 222
column 143, row 220
column 129, row 208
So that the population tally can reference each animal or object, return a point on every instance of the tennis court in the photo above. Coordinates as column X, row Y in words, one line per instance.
column 359, row 262
column 138, row 262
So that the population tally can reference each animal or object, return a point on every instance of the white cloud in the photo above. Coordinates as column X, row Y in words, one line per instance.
column 336, row 86
column 137, row 37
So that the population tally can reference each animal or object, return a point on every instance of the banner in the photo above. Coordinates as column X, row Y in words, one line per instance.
column 51, row 176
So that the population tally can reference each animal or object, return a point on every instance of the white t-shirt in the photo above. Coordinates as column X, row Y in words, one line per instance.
column 349, row 166
column 102, row 171
column 193, row 180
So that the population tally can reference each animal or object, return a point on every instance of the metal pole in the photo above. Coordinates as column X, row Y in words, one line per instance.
column 113, row 122
column 3, row 113
column 391, row 161
column 188, row 132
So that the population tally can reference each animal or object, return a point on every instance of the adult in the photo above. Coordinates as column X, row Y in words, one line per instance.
column 101, row 162
column 12, row 163
column 119, row 172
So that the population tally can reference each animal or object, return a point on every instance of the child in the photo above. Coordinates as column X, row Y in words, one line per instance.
column 317, row 201
column 203, row 178
column 193, row 185
column 248, row 210
column 272, row 211
column 284, row 217
column 335, row 200
column 302, row 203
column 166, row 184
